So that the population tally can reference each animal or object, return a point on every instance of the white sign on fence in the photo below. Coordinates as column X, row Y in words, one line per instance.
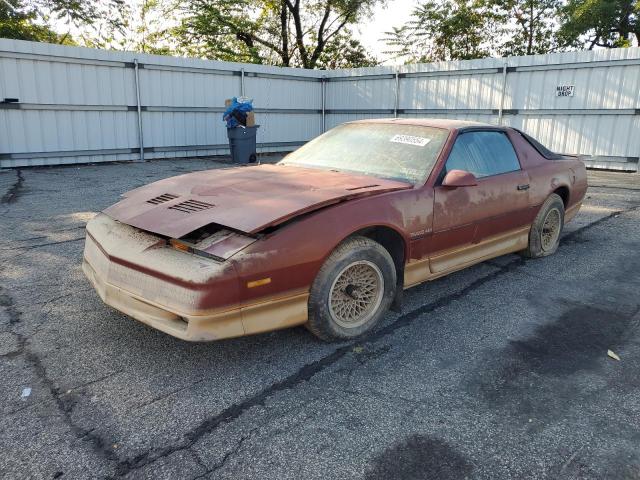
column 565, row 90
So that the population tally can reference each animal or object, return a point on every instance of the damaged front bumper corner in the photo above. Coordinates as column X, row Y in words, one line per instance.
column 137, row 274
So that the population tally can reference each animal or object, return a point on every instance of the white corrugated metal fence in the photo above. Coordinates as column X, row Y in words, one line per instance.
column 77, row 105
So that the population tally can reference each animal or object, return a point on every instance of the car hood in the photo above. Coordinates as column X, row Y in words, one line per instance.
column 247, row 199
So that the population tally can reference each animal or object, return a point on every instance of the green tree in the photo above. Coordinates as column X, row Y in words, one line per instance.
column 95, row 24
column 467, row 29
column 19, row 21
column 444, row 30
column 151, row 35
column 145, row 26
column 600, row 23
column 529, row 27
column 39, row 20
column 345, row 52
column 275, row 32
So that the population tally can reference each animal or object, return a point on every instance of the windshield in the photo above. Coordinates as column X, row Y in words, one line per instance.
column 386, row 150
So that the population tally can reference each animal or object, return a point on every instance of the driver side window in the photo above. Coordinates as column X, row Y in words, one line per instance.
column 483, row 154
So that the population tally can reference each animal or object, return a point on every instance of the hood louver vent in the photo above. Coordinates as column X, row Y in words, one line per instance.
column 165, row 197
column 191, row 206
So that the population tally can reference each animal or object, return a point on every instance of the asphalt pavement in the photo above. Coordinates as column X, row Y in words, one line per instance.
column 498, row 371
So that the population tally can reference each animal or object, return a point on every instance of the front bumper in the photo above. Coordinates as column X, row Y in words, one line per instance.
column 186, row 327
column 135, row 273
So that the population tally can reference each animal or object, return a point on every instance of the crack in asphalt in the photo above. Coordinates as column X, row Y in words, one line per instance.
column 231, row 453
column 309, row 370
column 169, row 394
column 199, row 462
column 94, row 381
column 38, row 245
column 233, row 412
column 56, row 230
column 63, row 404
column 101, row 446
column 305, row 373
column 28, row 239
column 15, row 190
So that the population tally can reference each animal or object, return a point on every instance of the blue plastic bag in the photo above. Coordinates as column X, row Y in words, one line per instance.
column 236, row 113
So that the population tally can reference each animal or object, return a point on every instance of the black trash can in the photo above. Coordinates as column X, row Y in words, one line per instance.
column 242, row 141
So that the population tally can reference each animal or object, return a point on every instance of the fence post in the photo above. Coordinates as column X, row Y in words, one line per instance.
column 397, row 99
column 503, row 93
column 139, row 108
column 323, row 88
column 242, row 82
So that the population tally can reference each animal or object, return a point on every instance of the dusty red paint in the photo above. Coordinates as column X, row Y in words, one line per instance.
column 247, row 199
column 459, row 178
column 316, row 211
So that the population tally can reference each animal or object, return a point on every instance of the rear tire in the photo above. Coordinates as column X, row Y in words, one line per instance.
column 544, row 236
column 352, row 290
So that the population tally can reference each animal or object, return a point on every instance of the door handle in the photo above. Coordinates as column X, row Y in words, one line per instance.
column 523, row 187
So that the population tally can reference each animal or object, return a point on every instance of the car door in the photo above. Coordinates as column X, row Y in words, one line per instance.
column 474, row 223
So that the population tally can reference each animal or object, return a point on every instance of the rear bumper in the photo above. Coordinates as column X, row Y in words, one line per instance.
column 170, row 300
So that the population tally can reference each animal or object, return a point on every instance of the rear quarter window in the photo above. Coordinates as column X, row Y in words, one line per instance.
column 541, row 149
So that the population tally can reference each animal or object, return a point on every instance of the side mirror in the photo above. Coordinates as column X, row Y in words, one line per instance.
column 459, row 178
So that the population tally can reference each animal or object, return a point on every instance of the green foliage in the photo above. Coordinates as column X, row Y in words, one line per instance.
column 96, row 24
column 318, row 33
column 345, row 52
column 152, row 35
column 19, row 22
column 444, row 30
column 231, row 30
column 35, row 19
column 462, row 29
column 142, row 26
column 528, row 26
column 274, row 32
column 600, row 23
column 466, row 29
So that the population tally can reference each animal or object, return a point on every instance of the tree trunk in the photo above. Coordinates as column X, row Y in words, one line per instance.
column 297, row 21
column 284, row 31
column 531, row 29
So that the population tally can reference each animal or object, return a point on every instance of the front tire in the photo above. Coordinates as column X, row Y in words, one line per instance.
column 352, row 290
column 544, row 236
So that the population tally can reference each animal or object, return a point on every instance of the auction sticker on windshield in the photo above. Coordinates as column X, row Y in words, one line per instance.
column 410, row 140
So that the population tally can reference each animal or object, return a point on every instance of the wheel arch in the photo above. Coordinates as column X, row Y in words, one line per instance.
column 564, row 193
column 397, row 246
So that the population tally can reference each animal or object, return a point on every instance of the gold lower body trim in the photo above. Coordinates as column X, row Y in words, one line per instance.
column 572, row 212
column 267, row 315
column 449, row 261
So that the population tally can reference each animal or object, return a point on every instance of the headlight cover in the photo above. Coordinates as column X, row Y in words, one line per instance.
column 219, row 245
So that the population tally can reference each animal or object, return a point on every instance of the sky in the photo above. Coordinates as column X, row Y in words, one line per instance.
column 394, row 14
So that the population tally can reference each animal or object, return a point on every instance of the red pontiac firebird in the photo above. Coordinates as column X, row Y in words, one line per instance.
column 331, row 235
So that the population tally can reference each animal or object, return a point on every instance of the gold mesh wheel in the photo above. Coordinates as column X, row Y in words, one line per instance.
column 356, row 294
column 550, row 230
